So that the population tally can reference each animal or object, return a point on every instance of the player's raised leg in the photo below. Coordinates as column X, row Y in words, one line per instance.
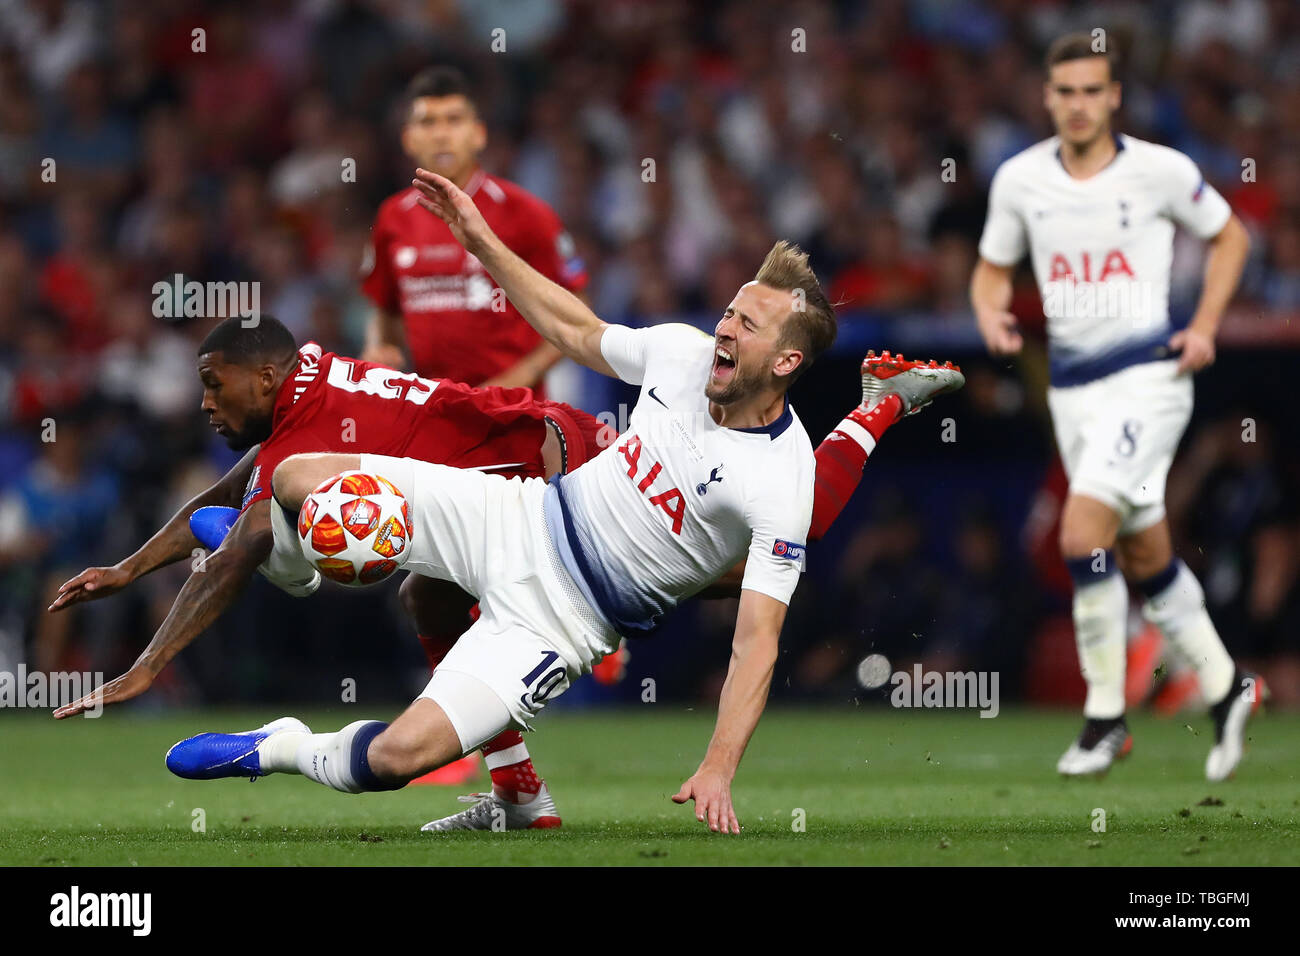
column 1088, row 530
column 1175, row 603
column 892, row 387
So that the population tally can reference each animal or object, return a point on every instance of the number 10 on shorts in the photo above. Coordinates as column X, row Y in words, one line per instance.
column 543, row 680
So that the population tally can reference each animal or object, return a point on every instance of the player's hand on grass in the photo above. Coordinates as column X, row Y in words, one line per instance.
column 90, row 584
column 120, row 689
column 1197, row 349
column 453, row 206
column 999, row 332
column 711, row 791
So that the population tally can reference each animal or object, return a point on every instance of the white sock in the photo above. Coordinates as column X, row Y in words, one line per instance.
column 1179, row 611
column 333, row 759
column 1100, row 623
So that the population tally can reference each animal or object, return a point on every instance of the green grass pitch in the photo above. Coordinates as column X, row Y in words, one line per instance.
column 872, row 786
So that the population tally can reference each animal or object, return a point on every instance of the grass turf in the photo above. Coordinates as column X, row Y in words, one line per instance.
column 874, row 787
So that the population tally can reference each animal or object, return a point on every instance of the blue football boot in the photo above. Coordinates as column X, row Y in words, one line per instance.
column 210, row 756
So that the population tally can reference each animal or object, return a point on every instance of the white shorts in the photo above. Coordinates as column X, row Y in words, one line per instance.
column 1117, row 437
column 535, row 634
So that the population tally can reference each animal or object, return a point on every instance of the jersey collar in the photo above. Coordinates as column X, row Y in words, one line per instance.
column 1119, row 148
column 774, row 430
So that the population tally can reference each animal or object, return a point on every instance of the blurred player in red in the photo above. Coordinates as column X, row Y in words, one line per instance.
column 436, row 308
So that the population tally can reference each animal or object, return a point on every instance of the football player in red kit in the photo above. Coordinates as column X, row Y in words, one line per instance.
column 434, row 303
column 262, row 393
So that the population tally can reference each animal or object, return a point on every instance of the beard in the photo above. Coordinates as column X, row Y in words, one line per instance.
column 255, row 431
column 740, row 385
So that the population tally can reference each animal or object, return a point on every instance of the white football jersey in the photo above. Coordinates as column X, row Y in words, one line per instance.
column 1101, row 247
column 678, row 499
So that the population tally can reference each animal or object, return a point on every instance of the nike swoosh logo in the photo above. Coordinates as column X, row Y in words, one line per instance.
column 656, row 397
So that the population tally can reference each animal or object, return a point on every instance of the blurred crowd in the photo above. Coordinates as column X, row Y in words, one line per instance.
column 143, row 139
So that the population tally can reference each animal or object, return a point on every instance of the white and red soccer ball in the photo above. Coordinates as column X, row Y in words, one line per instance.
column 355, row 528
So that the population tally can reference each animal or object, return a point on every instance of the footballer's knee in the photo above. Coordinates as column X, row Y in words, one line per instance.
column 420, row 740
column 1087, row 527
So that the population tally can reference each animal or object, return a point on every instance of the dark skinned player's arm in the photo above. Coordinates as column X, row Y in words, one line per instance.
column 211, row 589
column 171, row 543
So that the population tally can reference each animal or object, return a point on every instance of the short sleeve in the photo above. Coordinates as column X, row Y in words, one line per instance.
column 376, row 269
column 629, row 351
column 1003, row 242
column 1190, row 201
column 777, row 549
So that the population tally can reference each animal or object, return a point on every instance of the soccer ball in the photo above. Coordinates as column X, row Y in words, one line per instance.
column 355, row 528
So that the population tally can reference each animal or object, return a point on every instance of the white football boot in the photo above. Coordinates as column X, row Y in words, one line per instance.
column 1230, row 717
column 490, row 812
column 1101, row 743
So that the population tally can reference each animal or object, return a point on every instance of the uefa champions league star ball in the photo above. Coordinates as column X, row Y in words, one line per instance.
column 355, row 528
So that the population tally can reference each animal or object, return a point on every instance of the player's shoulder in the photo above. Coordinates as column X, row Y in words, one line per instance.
column 1029, row 161
column 788, row 449
column 781, row 471
column 504, row 192
column 399, row 203
column 677, row 340
column 1155, row 156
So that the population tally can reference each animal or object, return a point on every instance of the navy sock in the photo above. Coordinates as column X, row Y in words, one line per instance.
column 1091, row 569
column 1159, row 581
column 361, row 771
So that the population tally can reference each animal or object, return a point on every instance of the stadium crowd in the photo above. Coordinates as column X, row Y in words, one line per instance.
column 141, row 140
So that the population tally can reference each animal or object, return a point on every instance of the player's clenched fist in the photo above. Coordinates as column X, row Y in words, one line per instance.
column 452, row 205
column 90, row 584
column 999, row 331
column 711, row 792
column 1196, row 347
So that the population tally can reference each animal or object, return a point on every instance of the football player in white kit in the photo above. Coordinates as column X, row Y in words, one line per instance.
column 715, row 467
column 1096, row 212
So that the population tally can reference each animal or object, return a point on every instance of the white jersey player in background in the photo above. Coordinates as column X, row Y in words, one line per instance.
column 1096, row 212
column 714, row 468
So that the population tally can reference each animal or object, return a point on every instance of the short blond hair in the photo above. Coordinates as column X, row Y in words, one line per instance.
column 810, row 326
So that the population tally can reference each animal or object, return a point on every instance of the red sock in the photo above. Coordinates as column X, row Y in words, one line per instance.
column 435, row 648
column 512, row 770
column 841, row 457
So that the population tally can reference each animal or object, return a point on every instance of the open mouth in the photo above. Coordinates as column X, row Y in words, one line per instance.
column 724, row 363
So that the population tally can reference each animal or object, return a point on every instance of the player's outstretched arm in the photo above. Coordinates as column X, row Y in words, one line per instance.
column 557, row 314
column 744, row 694
column 211, row 589
column 990, row 297
column 171, row 543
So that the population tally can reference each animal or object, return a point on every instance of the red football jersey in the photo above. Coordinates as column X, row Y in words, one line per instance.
column 414, row 266
column 344, row 405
